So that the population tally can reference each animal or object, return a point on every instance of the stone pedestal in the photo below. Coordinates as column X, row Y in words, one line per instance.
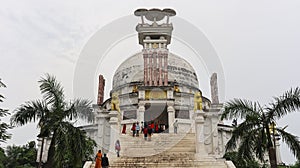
column 215, row 120
column 141, row 112
column 171, row 116
column 114, row 129
column 101, row 122
column 199, row 128
column 101, row 133
column 192, row 117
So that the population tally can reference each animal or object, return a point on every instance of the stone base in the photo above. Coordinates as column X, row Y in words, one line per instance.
column 229, row 164
column 203, row 157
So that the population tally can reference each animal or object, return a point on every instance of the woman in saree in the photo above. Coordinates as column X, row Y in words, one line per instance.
column 98, row 159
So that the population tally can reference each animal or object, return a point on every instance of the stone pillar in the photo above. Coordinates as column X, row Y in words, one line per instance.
column 100, row 131
column 114, row 129
column 141, row 94
column 145, row 66
column 101, row 85
column 141, row 112
column 214, row 89
column 160, row 68
column 155, row 68
column 101, row 121
column 170, row 94
column 165, row 55
column 215, row 143
column 199, row 128
column 171, row 116
column 150, row 68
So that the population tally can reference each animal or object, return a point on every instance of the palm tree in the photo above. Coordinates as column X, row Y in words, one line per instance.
column 54, row 116
column 3, row 126
column 253, row 136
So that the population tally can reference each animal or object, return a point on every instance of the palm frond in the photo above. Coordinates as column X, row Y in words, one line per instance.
column 80, row 108
column 61, row 145
column 70, row 140
column 4, row 112
column 292, row 141
column 1, row 98
column 4, row 135
column 288, row 102
column 49, row 123
column 246, row 147
column 253, row 143
column 52, row 91
column 28, row 112
column 238, row 108
column 242, row 130
column 2, row 84
column 260, row 141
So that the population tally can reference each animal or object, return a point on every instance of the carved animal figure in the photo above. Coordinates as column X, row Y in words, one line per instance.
column 176, row 89
column 115, row 103
column 197, row 101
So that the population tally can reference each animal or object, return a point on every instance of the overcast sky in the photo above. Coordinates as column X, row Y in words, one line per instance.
column 256, row 41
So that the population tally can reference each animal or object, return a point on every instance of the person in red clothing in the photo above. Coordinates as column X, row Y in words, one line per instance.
column 152, row 126
column 156, row 127
column 149, row 132
column 133, row 129
column 124, row 129
column 145, row 131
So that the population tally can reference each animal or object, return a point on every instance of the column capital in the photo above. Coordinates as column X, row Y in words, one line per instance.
column 113, row 117
column 213, row 115
column 171, row 109
column 113, row 113
column 102, row 114
column 199, row 119
column 142, row 103
column 170, row 103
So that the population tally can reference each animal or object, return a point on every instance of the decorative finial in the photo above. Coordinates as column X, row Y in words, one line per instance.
column 154, row 14
column 154, row 29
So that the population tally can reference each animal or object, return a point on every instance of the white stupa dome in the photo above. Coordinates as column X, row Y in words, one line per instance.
column 132, row 70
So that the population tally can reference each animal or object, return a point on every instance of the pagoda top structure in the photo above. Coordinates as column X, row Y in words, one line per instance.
column 154, row 30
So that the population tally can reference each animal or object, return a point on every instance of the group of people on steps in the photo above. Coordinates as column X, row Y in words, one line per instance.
column 146, row 129
column 101, row 162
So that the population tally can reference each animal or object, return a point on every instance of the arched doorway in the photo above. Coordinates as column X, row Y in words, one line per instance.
column 157, row 113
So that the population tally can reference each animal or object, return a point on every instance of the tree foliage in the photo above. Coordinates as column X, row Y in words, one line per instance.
column 240, row 162
column 3, row 158
column 296, row 165
column 4, row 135
column 55, row 118
column 253, row 138
column 21, row 156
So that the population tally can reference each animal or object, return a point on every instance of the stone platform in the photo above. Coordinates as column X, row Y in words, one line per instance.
column 164, row 150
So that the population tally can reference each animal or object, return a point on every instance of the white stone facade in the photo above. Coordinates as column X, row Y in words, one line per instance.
column 158, row 86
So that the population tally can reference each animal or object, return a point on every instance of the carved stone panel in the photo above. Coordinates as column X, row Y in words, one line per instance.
column 184, row 114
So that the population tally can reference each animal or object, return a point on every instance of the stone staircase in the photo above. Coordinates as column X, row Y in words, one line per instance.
column 164, row 150
column 138, row 147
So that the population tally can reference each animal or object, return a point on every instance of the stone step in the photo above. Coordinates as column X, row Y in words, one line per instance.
column 164, row 150
column 138, row 147
column 167, row 162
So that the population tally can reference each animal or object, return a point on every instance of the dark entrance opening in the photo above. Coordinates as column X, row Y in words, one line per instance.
column 157, row 113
